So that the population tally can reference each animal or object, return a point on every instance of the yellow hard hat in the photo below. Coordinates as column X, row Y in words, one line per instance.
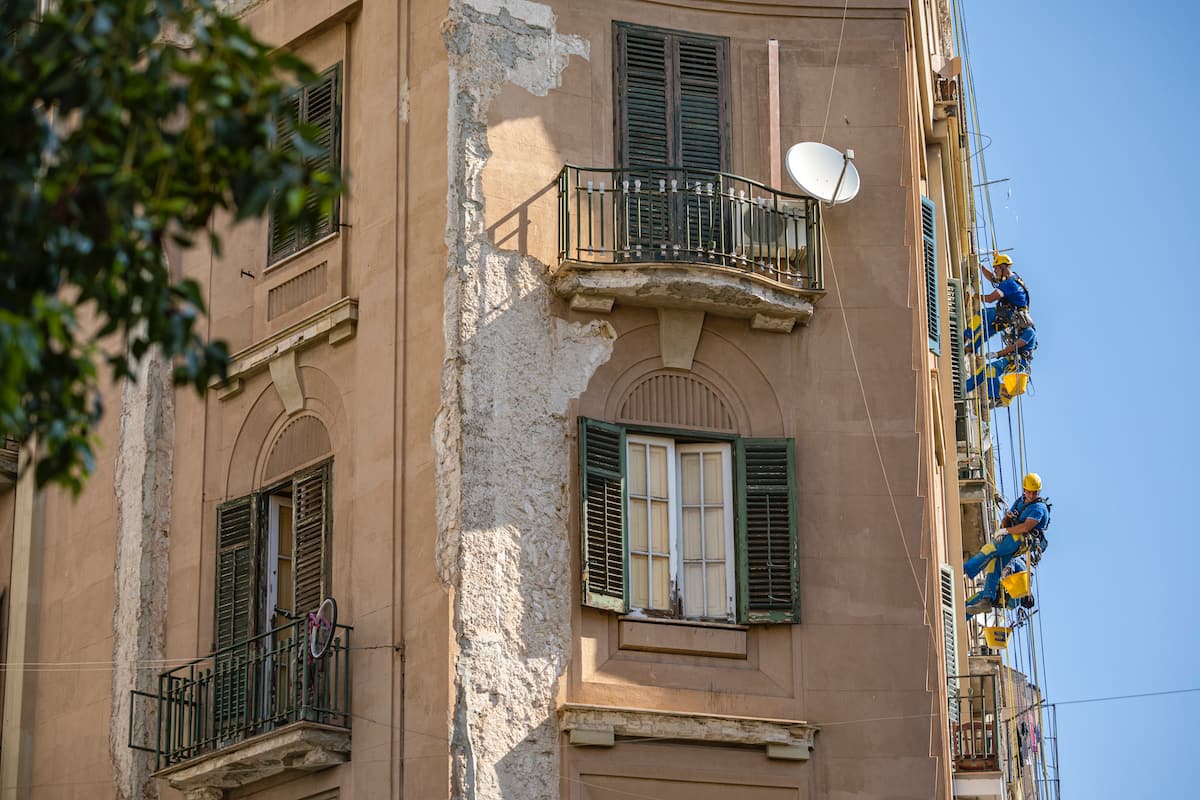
column 1001, row 258
column 1032, row 482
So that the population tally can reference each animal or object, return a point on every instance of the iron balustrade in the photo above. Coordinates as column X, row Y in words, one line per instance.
column 247, row 689
column 671, row 214
column 975, row 725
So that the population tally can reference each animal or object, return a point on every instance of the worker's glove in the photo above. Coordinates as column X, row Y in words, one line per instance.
column 1000, row 534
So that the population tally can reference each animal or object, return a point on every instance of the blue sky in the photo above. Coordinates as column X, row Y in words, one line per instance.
column 1092, row 108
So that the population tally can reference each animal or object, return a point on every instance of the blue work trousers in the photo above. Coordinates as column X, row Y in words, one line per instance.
column 983, row 328
column 992, row 371
column 992, row 560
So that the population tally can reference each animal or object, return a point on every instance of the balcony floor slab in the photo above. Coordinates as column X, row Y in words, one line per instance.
column 299, row 747
column 725, row 292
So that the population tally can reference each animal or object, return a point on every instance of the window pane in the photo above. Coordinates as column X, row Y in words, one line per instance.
column 689, row 478
column 693, row 590
column 714, row 482
column 692, row 534
column 716, row 590
column 637, row 524
column 661, row 569
column 285, row 585
column 637, row 468
column 714, row 533
column 285, row 533
column 661, row 527
column 639, row 582
column 658, row 471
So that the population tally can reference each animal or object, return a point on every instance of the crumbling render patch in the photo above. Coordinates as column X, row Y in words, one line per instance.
column 501, row 437
column 143, row 488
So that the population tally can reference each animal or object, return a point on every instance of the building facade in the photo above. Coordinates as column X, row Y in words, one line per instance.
column 634, row 470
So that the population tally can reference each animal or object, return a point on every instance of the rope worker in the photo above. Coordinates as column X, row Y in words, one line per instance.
column 1023, row 531
column 1015, row 356
column 1011, row 298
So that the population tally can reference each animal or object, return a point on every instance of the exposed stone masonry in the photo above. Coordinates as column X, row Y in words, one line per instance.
column 502, row 437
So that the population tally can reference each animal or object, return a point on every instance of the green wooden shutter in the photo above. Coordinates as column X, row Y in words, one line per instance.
column 234, row 611
column 954, row 299
column 312, row 507
column 319, row 105
column 932, row 302
column 283, row 240
column 768, row 568
column 644, row 138
column 700, row 124
column 235, row 542
column 602, row 471
column 323, row 110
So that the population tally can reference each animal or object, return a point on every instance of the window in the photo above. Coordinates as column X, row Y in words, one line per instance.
column 687, row 526
column 272, row 552
column 672, row 111
column 929, row 252
column 320, row 105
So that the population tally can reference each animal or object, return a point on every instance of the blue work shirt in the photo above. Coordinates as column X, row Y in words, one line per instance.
column 1036, row 510
column 1011, row 292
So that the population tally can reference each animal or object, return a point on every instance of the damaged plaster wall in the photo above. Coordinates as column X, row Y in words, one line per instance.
column 143, row 489
column 502, row 436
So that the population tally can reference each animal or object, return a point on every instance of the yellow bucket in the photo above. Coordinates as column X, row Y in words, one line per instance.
column 996, row 637
column 1017, row 584
column 1015, row 382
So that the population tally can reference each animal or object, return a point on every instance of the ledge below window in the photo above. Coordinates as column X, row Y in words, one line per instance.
column 599, row 726
column 683, row 637
column 298, row 748
column 768, row 305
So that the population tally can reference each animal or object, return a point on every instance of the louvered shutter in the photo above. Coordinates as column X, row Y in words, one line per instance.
column 700, row 69
column 283, row 239
column 643, row 101
column 671, row 112
column 235, row 542
column 602, row 470
column 954, row 298
column 932, row 302
column 234, row 610
column 768, row 570
column 312, row 507
column 322, row 110
column 950, row 639
column 318, row 105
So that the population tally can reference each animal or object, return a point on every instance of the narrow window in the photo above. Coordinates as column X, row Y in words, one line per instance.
column 932, row 290
column 319, row 105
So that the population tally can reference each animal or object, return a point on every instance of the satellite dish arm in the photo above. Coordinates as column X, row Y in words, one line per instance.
column 846, row 159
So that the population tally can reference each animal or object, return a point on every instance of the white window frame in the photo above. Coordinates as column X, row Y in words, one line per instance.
column 726, row 451
column 675, row 524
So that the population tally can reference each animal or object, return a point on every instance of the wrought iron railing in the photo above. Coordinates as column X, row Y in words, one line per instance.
column 671, row 214
column 247, row 689
column 974, row 726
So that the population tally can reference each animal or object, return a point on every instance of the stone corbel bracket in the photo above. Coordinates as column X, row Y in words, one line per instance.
column 599, row 726
column 335, row 324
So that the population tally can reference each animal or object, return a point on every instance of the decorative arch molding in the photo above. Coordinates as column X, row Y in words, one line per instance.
column 302, row 441
column 266, row 438
column 722, row 366
column 678, row 400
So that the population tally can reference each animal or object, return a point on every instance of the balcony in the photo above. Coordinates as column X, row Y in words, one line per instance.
column 247, row 712
column 10, row 451
column 676, row 238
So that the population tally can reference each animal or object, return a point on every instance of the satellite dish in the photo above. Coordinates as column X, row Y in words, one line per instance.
column 823, row 171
